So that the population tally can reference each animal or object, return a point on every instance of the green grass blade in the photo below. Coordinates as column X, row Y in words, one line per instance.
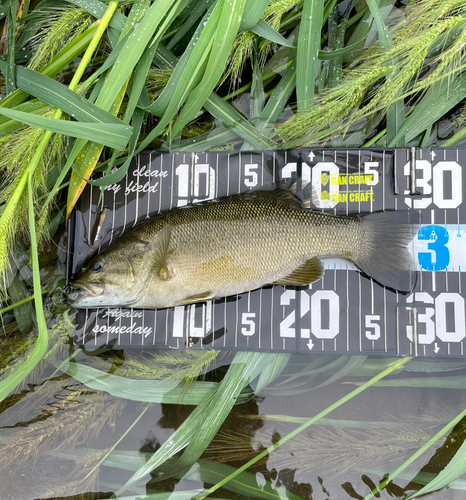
column 198, row 10
column 257, row 97
column 453, row 471
column 58, row 63
column 416, row 455
column 8, row 126
column 108, row 134
column 225, row 33
column 77, row 147
column 148, row 391
column 354, row 362
column 98, row 9
column 329, row 55
column 179, row 440
column 252, row 14
column 217, row 137
column 396, row 114
column 10, row 77
column 245, row 484
column 266, row 31
column 189, row 64
column 22, row 371
column 199, row 428
column 272, row 371
column 243, row 369
column 235, row 121
column 277, row 101
column 453, row 382
column 440, row 98
column 421, row 477
column 308, row 49
column 365, row 30
column 132, row 51
column 60, row 96
column 19, row 296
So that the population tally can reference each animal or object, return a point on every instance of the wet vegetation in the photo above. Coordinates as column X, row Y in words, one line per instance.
column 88, row 84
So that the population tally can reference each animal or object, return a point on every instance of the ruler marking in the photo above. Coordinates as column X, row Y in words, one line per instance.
column 138, row 164
column 347, row 309
column 385, row 318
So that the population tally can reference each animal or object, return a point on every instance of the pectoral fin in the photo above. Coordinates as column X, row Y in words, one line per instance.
column 312, row 270
column 201, row 297
column 156, row 253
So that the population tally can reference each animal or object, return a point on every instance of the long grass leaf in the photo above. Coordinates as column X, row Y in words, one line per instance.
column 233, row 120
column 225, row 33
column 277, row 101
column 252, row 13
column 243, row 369
column 421, row 477
column 453, row 382
column 108, row 134
column 148, row 391
column 431, row 442
column 440, row 98
column 396, row 114
column 179, row 440
column 272, row 371
column 86, row 161
column 308, row 49
column 266, row 31
column 56, row 94
column 132, row 52
column 189, row 63
column 57, row 64
column 245, row 483
column 8, row 125
column 453, row 471
column 220, row 135
column 200, row 427
column 22, row 371
column 198, row 10
column 10, row 78
column 98, row 9
column 204, row 471
column 354, row 362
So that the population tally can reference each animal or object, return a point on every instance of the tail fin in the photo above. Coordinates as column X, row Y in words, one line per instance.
column 385, row 255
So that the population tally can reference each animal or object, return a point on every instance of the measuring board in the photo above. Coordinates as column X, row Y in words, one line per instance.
column 344, row 312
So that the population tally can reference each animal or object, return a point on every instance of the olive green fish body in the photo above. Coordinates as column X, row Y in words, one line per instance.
column 230, row 246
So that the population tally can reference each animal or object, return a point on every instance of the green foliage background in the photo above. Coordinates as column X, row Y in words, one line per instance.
column 88, row 84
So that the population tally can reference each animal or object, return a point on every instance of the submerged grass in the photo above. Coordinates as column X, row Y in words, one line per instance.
column 213, row 75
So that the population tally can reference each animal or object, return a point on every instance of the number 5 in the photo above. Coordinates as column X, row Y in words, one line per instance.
column 247, row 319
column 251, row 177
column 371, row 323
column 372, row 172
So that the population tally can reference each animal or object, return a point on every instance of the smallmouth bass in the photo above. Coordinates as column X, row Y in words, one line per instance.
column 237, row 244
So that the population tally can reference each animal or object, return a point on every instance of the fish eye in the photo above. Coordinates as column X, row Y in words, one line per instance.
column 97, row 266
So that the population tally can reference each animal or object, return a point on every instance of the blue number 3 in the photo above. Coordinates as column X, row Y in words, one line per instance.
column 438, row 238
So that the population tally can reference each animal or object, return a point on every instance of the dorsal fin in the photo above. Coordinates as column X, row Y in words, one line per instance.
column 312, row 270
column 286, row 197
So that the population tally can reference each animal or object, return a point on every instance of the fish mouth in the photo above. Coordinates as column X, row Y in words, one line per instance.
column 91, row 289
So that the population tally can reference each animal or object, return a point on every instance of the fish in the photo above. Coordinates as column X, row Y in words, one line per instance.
column 232, row 245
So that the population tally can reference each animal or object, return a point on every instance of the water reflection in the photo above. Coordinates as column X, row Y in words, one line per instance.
column 64, row 438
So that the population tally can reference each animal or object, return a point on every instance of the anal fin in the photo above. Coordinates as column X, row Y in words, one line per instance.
column 201, row 297
column 312, row 270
